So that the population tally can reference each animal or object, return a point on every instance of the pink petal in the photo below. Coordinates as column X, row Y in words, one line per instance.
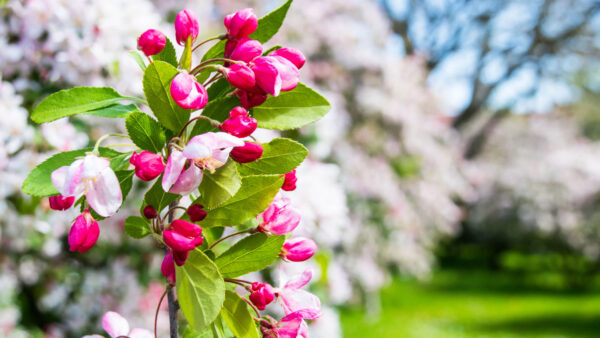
column 78, row 233
column 115, row 325
column 175, row 165
column 299, row 281
column 91, row 237
column 93, row 165
column 288, row 72
column 289, row 326
column 303, row 302
column 188, row 181
column 140, row 333
column 67, row 180
column 195, row 150
column 104, row 195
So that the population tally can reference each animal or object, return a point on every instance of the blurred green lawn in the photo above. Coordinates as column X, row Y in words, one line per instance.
column 478, row 304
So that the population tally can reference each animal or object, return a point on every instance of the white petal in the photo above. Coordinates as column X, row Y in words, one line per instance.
column 104, row 195
column 140, row 333
column 93, row 165
column 196, row 150
column 175, row 165
column 188, row 181
column 115, row 325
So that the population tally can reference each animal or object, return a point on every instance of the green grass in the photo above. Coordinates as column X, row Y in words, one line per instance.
column 478, row 304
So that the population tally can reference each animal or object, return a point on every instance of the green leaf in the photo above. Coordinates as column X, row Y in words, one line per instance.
column 137, row 227
column 167, row 55
column 114, row 111
column 145, row 132
column 135, row 55
column 218, row 88
column 38, row 182
column 272, row 49
column 74, row 101
column 269, row 24
column 217, row 110
column 157, row 84
column 157, row 197
column 200, row 290
column 212, row 234
column 220, row 186
column 280, row 156
column 254, row 196
column 252, row 253
column 191, row 333
column 292, row 109
column 237, row 316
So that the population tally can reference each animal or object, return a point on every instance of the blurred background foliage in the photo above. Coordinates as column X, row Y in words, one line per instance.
column 453, row 190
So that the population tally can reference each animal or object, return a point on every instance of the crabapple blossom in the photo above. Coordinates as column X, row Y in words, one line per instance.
column 150, row 212
column 152, row 42
column 249, row 152
column 196, row 212
column 239, row 124
column 298, row 249
column 93, row 177
column 289, row 183
column 183, row 236
column 293, row 299
column 167, row 268
column 239, row 76
column 84, row 232
column 252, row 97
column 240, row 24
column 279, row 218
column 116, row 326
column 187, row 92
column 60, row 202
column 186, row 27
column 293, row 55
column 245, row 49
column 148, row 166
column 262, row 294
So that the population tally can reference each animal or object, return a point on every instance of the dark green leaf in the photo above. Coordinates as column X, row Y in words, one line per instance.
column 220, row 186
column 254, row 196
column 237, row 316
column 38, row 182
column 252, row 253
column 200, row 290
column 157, row 84
column 292, row 109
column 215, row 51
column 74, row 101
column 137, row 227
column 145, row 132
column 218, row 88
column 280, row 156
column 157, row 197
column 167, row 55
column 269, row 24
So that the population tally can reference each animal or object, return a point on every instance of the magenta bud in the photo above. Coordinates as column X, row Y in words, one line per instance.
column 167, row 268
column 290, row 180
column 290, row 76
column 196, row 212
column 177, row 241
column 251, row 98
column 244, row 50
column 241, row 24
column 280, row 218
column 180, row 257
column 150, row 212
column 262, row 294
column 84, row 232
column 186, row 26
column 182, row 235
column 187, row 92
column 298, row 249
column 240, row 76
column 148, row 166
column 60, row 202
column 249, row 152
column 291, row 54
column 239, row 124
column 266, row 75
column 152, row 42
column 186, row 228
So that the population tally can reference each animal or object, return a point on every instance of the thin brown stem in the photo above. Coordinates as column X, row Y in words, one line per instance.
column 218, row 37
column 228, row 236
column 173, row 306
column 215, row 77
column 158, row 308
column 214, row 60
column 171, row 210
column 214, row 123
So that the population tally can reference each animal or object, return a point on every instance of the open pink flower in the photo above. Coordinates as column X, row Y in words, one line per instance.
column 279, row 218
column 290, row 326
column 293, row 299
column 116, row 326
column 207, row 151
column 93, row 177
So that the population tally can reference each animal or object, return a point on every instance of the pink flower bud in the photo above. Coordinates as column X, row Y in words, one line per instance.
column 196, row 212
column 249, row 152
column 148, row 166
column 289, row 184
column 251, row 98
column 298, row 249
column 187, row 92
column 60, row 202
column 186, row 25
column 150, row 212
column 239, row 124
column 241, row 24
column 262, row 294
column 280, row 218
column 167, row 268
column 152, row 42
column 291, row 54
column 84, row 232
column 266, row 75
column 243, row 50
column 240, row 76
column 183, row 236
column 290, row 76
column 180, row 257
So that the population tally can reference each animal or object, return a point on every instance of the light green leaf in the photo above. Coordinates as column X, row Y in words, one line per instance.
column 167, row 55
column 75, row 101
column 137, row 227
column 292, row 109
column 280, row 156
column 218, row 89
column 253, row 253
column 237, row 316
column 38, row 182
column 114, row 111
column 269, row 24
column 200, row 290
column 135, row 55
column 145, row 132
column 217, row 110
column 157, row 84
column 220, row 186
column 157, row 197
column 252, row 198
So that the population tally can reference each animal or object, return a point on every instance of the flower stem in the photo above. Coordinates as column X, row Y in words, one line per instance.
column 158, row 308
column 214, row 123
column 214, row 60
column 173, row 305
column 252, row 306
column 228, row 236
column 169, row 213
column 216, row 77
column 104, row 137
column 218, row 37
